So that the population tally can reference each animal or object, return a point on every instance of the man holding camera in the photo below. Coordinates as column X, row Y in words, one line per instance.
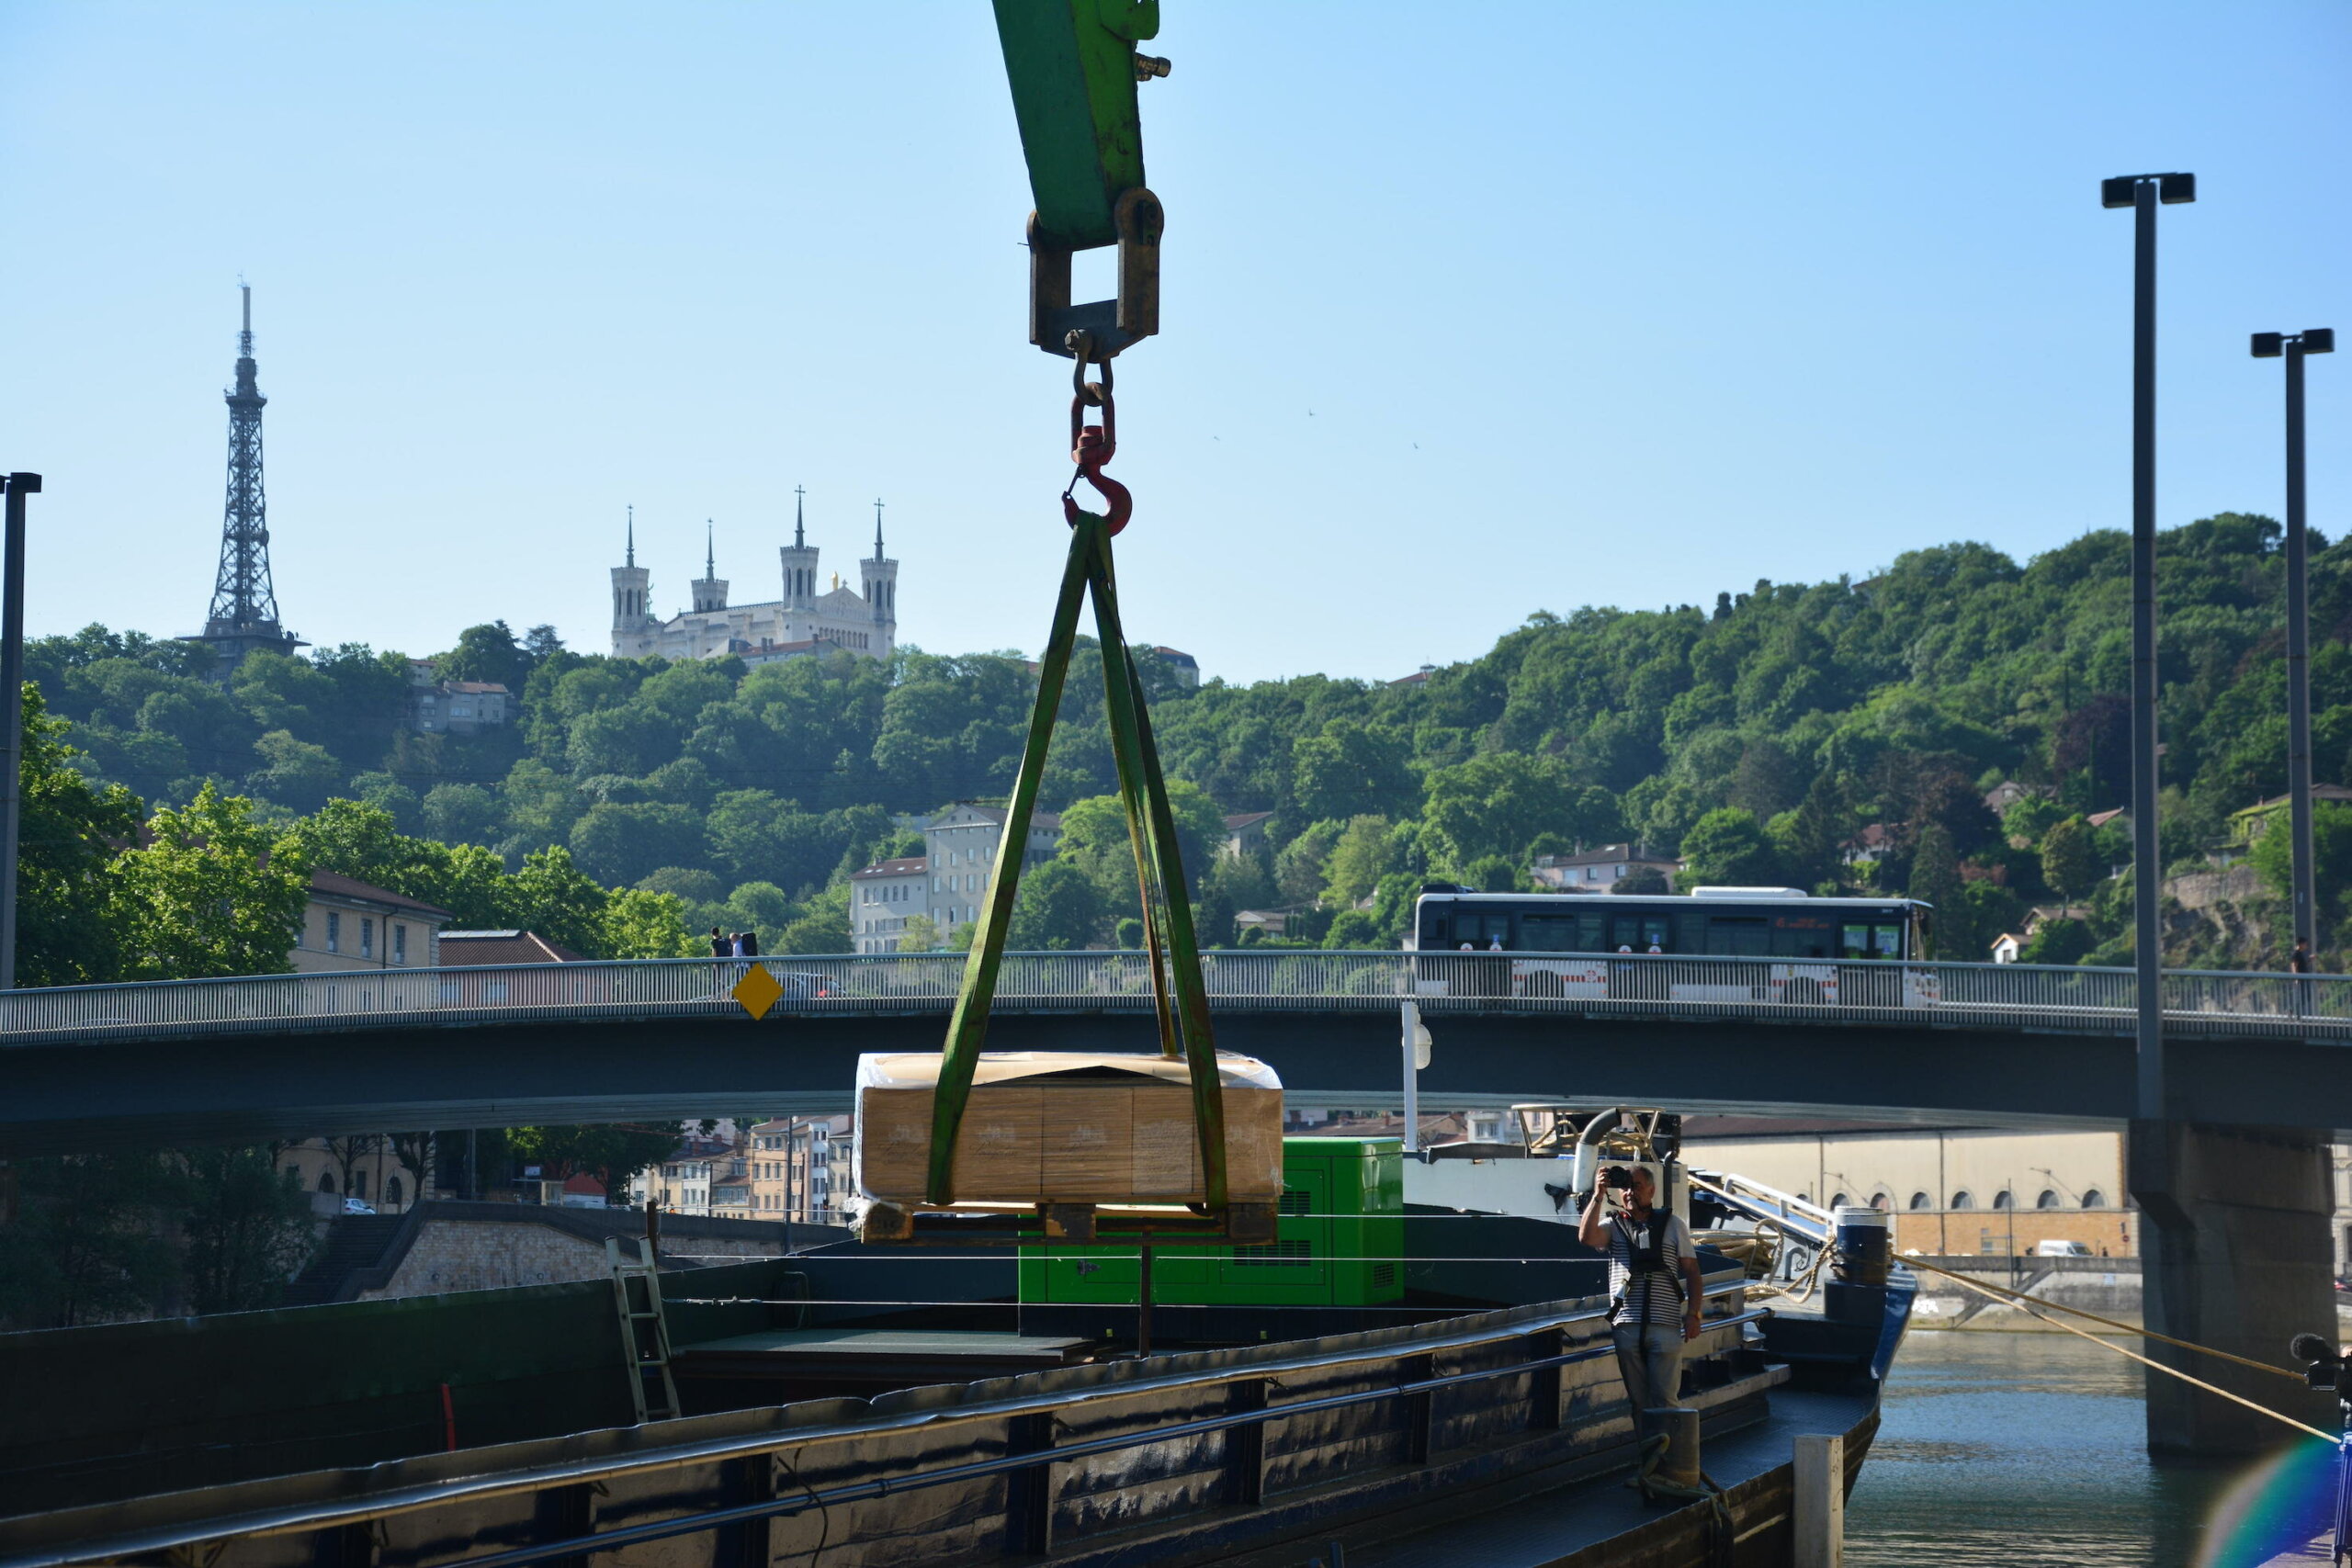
column 1655, row 1286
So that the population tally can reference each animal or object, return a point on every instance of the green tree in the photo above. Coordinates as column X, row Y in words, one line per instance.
column 920, row 934
column 1350, row 769
column 1301, row 866
column 551, row 897
column 610, row 1153
column 1058, row 907
column 2057, row 941
column 1935, row 880
column 82, row 1245
column 489, row 653
column 247, row 1229
column 2274, row 851
column 461, row 814
column 212, row 893
column 1354, row 928
column 1727, row 849
column 1497, row 803
column 1366, row 851
column 295, row 774
column 68, row 931
column 2070, row 859
column 822, row 925
column 641, row 924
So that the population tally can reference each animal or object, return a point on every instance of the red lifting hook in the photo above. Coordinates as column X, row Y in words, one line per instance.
column 1092, row 453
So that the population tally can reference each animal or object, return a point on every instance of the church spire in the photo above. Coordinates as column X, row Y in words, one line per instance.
column 630, row 559
column 878, row 528
column 710, row 552
column 797, row 542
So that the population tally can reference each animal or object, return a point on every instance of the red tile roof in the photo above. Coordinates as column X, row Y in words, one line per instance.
column 463, row 949
column 336, row 886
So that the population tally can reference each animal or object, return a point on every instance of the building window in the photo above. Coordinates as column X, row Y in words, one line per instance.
column 1960, row 1199
column 2004, row 1199
column 2048, row 1200
column 494, row 990
column 1921, row 1201
column 359, row 1183
column 2092, row 1199
column 367, row 938
column 393, row 1191
column 400, row 944
column 1839, row 1201
column 326, row 1181
column 335, row 931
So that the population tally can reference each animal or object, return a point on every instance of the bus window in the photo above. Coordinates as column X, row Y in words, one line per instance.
column 1587, row 933
column 1890, row 941
column 1737, row 936
column 1480, row 929
column 1801, row 936
column 1654, row 933
column 1625, row 931
column 1854, row 941
column 1548, row 934
column 1690, row 934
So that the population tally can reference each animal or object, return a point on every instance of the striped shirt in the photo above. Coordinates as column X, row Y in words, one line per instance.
column 1652, row 1299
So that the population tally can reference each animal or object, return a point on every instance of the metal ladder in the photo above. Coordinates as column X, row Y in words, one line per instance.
column 647, row 1358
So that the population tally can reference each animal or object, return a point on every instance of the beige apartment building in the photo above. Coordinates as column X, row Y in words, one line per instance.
column 350, row 925
column 1947, row 1189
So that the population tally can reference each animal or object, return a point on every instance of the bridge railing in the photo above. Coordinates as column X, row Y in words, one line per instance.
column 1997, row 995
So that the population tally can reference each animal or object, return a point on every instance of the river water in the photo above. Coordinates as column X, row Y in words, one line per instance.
column 2025, row 1450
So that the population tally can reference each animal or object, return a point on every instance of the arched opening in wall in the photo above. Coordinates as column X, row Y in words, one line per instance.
column 2004, row 1199
column 326, row 1181
column 1963, row 1199
column 2093, row 1199
column 393, row 1191
column 1839, row 1201
column 1882, row 1202
column 2048, row 1200
column 1921, row 1201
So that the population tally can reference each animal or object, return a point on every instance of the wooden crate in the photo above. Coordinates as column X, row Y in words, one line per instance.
column 1068, row 1127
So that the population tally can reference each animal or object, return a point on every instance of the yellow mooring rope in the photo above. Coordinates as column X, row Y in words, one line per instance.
column 2019, row 1299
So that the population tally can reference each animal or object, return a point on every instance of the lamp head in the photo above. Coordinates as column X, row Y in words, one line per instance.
column 2319, row 340
column 2117, row 192
column 2269, row 345
column 2174, row 189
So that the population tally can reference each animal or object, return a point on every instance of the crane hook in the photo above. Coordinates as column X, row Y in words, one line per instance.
column 1091, row 452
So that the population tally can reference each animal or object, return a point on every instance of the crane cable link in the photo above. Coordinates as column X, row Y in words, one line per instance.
column 1092, row 446
column 2031, row 1305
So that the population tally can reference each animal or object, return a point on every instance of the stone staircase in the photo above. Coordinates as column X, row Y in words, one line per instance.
column 354, row 1242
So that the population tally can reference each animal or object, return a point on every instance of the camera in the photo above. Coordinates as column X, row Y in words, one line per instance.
column 1617, row 1178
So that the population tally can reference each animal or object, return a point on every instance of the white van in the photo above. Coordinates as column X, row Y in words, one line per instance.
column 2061, row 1249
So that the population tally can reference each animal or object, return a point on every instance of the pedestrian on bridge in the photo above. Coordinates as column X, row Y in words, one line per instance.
column 1655, row 1286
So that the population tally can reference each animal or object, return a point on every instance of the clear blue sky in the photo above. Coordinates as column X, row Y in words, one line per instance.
column 1469, row 312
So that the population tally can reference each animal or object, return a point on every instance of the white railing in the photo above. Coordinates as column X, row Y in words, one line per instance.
column 2006, row 996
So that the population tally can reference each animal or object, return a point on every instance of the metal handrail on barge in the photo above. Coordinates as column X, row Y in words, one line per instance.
column 354, row 1511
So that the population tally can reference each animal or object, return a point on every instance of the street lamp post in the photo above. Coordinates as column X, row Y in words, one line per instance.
column 2141, row 193
column 12, row 710
column 2292, row 347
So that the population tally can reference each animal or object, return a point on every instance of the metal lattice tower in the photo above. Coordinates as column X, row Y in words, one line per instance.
column 244, row 605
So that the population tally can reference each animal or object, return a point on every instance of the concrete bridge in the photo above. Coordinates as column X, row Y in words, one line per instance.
column 297, row 1054
column 2235, row 1180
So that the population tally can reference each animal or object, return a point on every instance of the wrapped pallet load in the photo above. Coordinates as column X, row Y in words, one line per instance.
column 1057, row 1127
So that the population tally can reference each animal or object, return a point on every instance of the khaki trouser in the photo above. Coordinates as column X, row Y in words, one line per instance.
column 1650, row 1359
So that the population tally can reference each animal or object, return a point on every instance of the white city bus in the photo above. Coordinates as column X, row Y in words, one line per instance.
column 1606, row 946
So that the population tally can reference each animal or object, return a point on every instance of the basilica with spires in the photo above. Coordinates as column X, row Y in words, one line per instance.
column 810, row 618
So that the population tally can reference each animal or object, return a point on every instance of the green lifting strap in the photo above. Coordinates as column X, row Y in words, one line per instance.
column 1071, row 65
column 1180, row 996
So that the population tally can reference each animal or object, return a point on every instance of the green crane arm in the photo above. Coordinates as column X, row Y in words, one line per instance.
column 1072, row 64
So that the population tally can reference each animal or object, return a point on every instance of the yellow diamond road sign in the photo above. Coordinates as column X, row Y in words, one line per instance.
column 758, row 991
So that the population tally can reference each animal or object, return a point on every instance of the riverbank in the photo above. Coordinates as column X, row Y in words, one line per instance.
column 2025, row 1450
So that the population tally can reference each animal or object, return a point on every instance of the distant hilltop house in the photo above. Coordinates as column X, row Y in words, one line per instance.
column 1873, row 844
column 945, row 884
column 1418, row 678
column 1244, row 832
column 809, row 618
column 454, row 707
column 1597, row 870
column 2250, row 824
column 2009, row 792
column 1187, row 667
